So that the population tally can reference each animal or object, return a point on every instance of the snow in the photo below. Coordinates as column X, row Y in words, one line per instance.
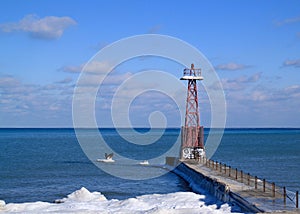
column 84, row 201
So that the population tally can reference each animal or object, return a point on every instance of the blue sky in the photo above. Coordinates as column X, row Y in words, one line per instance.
column 254, row 47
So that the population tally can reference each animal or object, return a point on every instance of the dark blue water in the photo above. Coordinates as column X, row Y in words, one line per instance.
column 273, row 154
column 47, row 164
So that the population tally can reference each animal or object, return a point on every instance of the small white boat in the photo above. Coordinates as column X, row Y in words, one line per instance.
column 145, row 162
column 108, row 158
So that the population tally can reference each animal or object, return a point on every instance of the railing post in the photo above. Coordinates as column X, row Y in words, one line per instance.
column 229, row 170
column 297, row 199
column 221, row 167
column 284, row 195
column 273, row 189
column 217, row 165
column 225, row 168
column 255, row 182
column 236, row 172
column 264, row 185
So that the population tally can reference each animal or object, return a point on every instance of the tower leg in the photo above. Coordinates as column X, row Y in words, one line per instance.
column 192, row 143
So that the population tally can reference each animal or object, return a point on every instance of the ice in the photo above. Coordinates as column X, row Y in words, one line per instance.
column 82, row 195
column 84, row 201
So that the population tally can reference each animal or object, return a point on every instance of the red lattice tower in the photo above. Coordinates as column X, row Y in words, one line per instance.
column 192, row 133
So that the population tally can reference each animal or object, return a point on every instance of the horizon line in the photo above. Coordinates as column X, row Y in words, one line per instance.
column 235, row 127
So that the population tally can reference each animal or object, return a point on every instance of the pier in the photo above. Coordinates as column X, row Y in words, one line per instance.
column 252, row 194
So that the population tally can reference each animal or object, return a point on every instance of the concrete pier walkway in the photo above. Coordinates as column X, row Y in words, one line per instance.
column 262, row 200
column 253, row 195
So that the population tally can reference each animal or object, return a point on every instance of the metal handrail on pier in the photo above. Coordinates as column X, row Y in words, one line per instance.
column 255, row 184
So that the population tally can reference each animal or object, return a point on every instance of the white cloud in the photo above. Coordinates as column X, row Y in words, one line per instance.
column 292, row 63
column 66, row 80
column 89, row 82
column 231, row 66
column 96, row 67
column 23, row 103
column 12, row 86
column 117, row 78
column 259, row 96
column 71, row 69
column 249, row 104
column 293, row 91
column 249, row 79
column 51, row 87
column 49, row 27
column 155, row 29
column 239, row 83
column 269, row 97
column 288, row 21
column 261, row 106
column 91, row 67
column 232, row 85
column 8, row 81
column 54, row 107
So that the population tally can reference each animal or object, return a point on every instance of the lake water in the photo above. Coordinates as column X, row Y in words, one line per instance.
column 48, row 164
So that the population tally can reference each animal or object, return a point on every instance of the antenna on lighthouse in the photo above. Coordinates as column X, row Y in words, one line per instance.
column 192, row 134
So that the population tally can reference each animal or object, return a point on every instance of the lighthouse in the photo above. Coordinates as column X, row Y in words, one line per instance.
column 192, row 134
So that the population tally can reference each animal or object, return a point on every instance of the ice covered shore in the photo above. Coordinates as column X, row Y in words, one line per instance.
column 83, row 201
